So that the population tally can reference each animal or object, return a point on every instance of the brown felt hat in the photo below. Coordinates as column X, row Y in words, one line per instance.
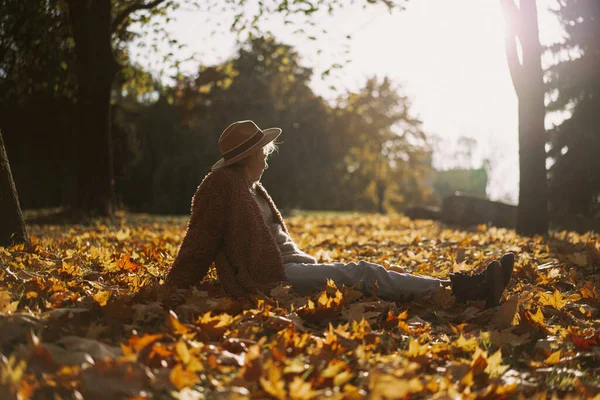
column 240, row 139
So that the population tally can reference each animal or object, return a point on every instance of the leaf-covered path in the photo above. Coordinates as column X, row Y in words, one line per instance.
column 80, row 316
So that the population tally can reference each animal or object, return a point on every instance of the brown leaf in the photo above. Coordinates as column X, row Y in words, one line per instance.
column 507, row 314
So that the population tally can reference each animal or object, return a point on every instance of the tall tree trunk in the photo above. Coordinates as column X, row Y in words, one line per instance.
column 96, row 69
column 12, row 227
column 527, row 77
column 381, row 188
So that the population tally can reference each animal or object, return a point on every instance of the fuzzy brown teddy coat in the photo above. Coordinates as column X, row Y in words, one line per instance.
column 227, row 227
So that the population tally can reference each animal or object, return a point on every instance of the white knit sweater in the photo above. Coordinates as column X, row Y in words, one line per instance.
column 289, row 250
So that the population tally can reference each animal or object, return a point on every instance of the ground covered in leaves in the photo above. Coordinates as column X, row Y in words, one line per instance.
column 80, row 317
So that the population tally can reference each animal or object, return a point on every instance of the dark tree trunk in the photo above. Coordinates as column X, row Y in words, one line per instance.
column 96, row 69
column 381, row 189
column 527, row 77
column 12, row 225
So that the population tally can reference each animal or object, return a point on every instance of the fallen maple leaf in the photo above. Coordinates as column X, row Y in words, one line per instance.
column 585, row 343
column 555, row 299
column 494, row 365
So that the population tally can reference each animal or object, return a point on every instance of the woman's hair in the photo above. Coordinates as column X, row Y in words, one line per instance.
column 270, row 148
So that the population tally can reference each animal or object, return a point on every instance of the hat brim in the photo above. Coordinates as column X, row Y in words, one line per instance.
column 270, row 135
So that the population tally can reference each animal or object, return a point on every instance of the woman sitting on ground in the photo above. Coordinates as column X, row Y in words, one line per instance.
column 235, row 224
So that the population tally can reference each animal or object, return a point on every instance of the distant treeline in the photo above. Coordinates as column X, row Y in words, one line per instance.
column 363, row 152
column 366, row 152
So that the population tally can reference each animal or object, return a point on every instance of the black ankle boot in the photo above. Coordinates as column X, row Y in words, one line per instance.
column 487, row 285
column 470, row 287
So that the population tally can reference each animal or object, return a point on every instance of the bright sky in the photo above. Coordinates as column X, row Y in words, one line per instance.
column 448, row 56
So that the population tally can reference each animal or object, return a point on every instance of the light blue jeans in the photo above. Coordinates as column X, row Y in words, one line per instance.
column 306, row 278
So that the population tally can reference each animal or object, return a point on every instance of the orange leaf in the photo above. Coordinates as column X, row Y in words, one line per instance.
column 174, row 325
column 138, row 343
column 125, row 263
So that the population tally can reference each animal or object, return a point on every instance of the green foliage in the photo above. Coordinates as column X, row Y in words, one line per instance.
column 36, row 50
column 468, row 181
column 384, row 150
column 574, row 86
column 166, row 146
column 354, row 155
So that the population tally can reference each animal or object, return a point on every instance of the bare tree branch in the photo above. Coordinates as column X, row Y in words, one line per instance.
column 127, row 11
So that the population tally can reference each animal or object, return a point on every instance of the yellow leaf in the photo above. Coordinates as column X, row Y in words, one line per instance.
column 537, row 318
column 495, row 367
column 333, row 368
column 553, row 358
column 467, row 380
column 182, row 352
column 555, row 300
column 101, row 297
column 466, row 344
column 273, row 383
column 181, row 378
column 300, row 390
column 387, row 387
column 415, row 349
column 5, row 299
column 403, row 316
column 174, row 325
column 343, row 377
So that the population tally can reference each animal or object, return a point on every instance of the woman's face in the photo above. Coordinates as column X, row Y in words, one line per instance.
column 256, row 164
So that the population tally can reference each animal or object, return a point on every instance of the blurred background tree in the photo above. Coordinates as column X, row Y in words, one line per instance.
column 37, row 99
column 315, row 167
column 385, row 155
column 362, row 151
column 574, row 88
column 525, row 66
column 88, row 42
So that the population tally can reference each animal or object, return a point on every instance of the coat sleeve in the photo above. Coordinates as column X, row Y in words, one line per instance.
column 202, row 239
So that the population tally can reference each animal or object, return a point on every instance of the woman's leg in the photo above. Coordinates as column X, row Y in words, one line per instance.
column 391, row 285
